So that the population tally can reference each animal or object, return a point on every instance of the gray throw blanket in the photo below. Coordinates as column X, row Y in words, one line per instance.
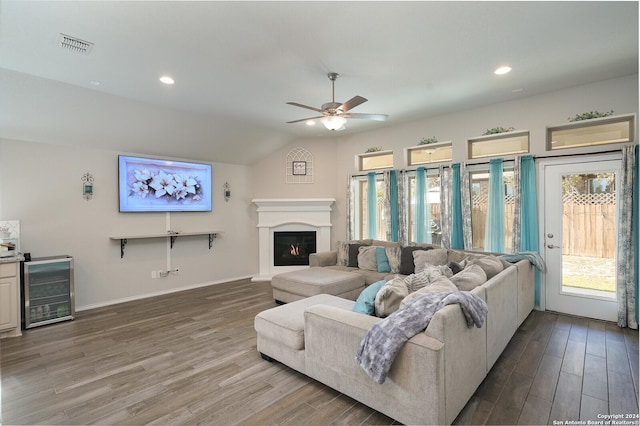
column 534, row 258
column 383, row 341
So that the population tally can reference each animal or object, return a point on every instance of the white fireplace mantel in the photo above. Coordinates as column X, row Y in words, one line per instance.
column 290, row 214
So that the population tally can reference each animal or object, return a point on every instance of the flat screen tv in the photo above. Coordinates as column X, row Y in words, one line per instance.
column 155, row 185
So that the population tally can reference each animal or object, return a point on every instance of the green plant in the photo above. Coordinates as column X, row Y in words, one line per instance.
column 427, row 141
column 373, row 149
column 589, row 115
column 496, row 130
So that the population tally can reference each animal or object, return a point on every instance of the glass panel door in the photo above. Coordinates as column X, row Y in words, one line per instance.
column 580, row 203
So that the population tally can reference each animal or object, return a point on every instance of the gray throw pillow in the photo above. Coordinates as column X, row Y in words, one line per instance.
column 389, row 297
column 491, row 265
column 469, row 278
column 431, row 257
column 367, row 258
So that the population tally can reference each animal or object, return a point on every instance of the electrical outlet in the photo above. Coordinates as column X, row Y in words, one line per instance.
column 154, row 274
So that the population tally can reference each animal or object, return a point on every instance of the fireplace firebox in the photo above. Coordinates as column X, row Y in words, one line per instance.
column 293, row 247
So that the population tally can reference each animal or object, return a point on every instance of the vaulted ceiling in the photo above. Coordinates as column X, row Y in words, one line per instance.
column 237, row 63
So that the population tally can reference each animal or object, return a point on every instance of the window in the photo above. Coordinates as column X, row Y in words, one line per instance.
column 433, row 200
column 375, row 160
column 426, row 154
column 362, row 219
column 597, row 131
column 479, row 206
column 500, row 144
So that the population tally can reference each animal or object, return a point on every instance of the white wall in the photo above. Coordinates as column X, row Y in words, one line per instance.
column 40, row 185
column 533, row 114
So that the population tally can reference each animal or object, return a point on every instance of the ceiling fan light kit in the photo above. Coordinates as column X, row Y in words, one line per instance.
column 333, row 122
column 334, row 114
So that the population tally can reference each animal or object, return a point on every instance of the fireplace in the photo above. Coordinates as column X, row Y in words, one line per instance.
column 293, row 248
column 290, row 216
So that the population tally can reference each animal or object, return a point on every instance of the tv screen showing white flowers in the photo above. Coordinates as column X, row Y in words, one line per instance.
column 152, row 185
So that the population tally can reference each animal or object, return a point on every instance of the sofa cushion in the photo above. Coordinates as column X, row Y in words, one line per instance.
column 389, row 297
column 491, row 265
column 285, row 323
column 382, row 261
column 469, row 278
column 438, row 285
column 366, row 302
column 432, row 257
column 367, row 258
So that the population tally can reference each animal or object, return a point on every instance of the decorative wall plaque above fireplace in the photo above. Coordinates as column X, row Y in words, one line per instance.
column 293, row 248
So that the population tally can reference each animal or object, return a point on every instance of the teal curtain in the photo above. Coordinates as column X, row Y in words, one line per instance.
column 422, row 219
column 394, row 205
column 372, row 206
column 529, row 213
column 457, row 233
column 494, row 231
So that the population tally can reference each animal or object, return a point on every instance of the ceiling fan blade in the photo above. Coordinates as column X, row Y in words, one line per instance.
column 304, row 106
column 352, row 103
column 365, row 116
column 304, row 119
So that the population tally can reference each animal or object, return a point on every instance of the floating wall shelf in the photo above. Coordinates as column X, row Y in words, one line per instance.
column 171, row 235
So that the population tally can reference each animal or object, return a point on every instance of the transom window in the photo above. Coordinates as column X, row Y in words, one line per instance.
column 375, row 160
column 498, row 145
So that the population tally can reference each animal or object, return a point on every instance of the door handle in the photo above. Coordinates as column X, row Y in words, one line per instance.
column 551, row 246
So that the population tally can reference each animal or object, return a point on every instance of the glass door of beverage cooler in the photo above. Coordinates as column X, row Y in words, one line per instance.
column 48, row 290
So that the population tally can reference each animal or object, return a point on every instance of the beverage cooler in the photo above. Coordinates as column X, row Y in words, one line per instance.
column 48, row 294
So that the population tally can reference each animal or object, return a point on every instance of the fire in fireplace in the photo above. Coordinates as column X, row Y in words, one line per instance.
column 293, row 247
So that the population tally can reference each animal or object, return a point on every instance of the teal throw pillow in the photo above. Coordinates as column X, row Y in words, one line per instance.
column 366, row 302
column 382, row 260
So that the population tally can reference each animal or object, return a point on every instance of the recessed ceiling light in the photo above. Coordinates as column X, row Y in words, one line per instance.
column 502, row 70
column 518, row 90
column 310, row 123
column 95, row 83
column 166, row 79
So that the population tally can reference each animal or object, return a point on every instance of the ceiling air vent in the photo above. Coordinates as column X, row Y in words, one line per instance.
column 74, row 44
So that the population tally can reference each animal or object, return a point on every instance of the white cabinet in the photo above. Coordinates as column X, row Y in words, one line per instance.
column 9, row 299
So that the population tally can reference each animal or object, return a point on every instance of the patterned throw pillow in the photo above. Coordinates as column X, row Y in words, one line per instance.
column 342, row 248
column 393, row 254
column 440, row 284
column 417, row 281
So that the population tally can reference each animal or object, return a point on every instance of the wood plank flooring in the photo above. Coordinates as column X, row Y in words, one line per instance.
column 190, row 358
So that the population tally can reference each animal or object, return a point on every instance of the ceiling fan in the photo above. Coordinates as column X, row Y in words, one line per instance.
column 335, row 114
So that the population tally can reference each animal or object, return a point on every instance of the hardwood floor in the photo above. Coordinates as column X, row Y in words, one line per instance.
column 190, row 358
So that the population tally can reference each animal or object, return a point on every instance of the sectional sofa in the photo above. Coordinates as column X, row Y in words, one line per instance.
column 434, row 374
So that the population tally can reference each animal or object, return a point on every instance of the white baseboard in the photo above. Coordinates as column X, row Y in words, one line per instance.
column 158, row 293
